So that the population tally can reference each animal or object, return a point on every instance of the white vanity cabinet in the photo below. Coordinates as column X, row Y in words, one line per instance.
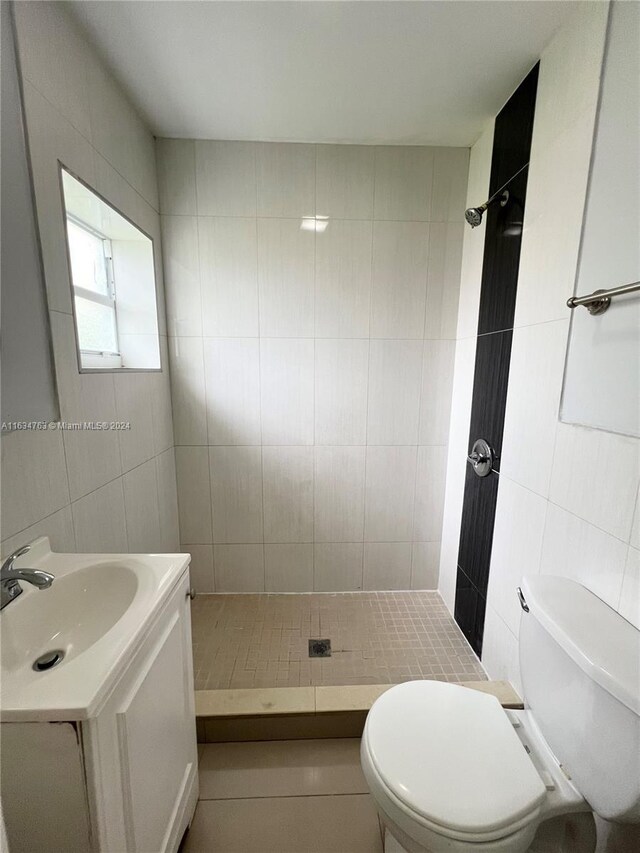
column 125, row 779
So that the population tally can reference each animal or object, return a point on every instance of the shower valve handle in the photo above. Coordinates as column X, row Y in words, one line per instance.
column 481, row 458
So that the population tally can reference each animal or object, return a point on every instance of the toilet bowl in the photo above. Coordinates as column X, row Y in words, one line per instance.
column 450, row 770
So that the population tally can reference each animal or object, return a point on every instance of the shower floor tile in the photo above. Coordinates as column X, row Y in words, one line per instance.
column 262, row 640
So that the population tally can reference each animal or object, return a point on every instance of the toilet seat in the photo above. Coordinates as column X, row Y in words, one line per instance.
column 447, row 759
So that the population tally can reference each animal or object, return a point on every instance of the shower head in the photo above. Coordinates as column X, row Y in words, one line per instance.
column 473, row 215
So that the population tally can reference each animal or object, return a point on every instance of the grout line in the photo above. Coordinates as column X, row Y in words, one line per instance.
column 282, row 796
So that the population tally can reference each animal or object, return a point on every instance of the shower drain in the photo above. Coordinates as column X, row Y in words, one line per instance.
column 319, row 648
column 48, row 660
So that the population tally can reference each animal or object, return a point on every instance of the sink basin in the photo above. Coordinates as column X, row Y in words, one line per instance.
column 93, row 613
column 78, row 609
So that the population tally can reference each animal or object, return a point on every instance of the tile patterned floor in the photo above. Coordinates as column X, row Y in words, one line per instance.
column 304, row 796
column 262, row 640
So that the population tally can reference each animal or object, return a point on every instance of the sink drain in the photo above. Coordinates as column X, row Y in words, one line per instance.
column 48, row 660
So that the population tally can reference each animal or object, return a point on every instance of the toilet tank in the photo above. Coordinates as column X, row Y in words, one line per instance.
column 580, row 668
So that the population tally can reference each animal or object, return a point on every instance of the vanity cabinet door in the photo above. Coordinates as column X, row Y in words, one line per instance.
column 156, row 733
column 146, row 739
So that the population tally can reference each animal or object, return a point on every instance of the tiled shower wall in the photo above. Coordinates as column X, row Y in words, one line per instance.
column 568, row 495
column 311, row 360
column 88, row 490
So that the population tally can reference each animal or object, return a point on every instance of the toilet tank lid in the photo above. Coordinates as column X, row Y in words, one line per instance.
column 597, row 638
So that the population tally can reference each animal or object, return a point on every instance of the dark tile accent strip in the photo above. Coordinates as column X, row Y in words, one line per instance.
column 493, row 353
column 476, row 529
column 470, row 610
column 503, row 236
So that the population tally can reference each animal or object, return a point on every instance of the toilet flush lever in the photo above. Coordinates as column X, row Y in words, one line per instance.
column 523, row 600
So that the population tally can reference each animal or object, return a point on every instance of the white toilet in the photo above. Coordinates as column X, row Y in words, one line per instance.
column 450, row 770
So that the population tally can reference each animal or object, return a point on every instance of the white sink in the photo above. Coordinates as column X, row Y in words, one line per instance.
column 95, row 610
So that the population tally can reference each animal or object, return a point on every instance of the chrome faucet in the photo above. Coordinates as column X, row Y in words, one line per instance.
column 9, row 577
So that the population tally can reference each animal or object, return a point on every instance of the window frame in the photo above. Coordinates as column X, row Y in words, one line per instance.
column 113, row 367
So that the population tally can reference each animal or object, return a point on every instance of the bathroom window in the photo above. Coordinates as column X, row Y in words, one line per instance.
column 112, row 281
column 94, row 293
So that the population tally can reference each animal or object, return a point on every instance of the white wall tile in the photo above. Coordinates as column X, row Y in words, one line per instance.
column 141, row 509
column 595, row 475
column 288, row 568
column 435, row 398
column 168, row 501
column 456, row 467
column 286, row 256
column 232, row 377
column 288, row 494
column 431, row 473
column 120, row 136
column 229, row 276
column 159, row 383
column 177, row 176
column 341, row 376
column 578, row 550
column 500, row 653
column 225, row 178
column 473, row 238
column 337, row 566
column 236, row 492
column 92, row 456
column 188, row 390
column 194, row 496
column 443, row 279
column 629, row 605
column 344, row 181
column 389, row 493
column 387, row 565
column 99, row 520
column 55, row 59
column 425, row 559
column 403, row 180
column 77, row 114
column 573, row 56
column 33, row 476
column 52, row 139
column 264, row 281
column 134, row 404
column 533, row 401
column 182, row 275
column 343, row 279
column 58, row 527
column 339, row 494
column 239, row 568
column 286, row 390
column 399, row 280
column 201, row 577
column 395, row 373
column 635, row 527
column 286, row 174
column 449, row 192
column 553, row 223
column 517, row 547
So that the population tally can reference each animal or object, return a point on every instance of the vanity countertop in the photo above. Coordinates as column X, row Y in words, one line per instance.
column 97, row 612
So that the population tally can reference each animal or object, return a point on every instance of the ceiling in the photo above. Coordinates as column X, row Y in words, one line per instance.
column 423, row 72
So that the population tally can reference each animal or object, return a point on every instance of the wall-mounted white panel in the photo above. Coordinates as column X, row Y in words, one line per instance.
column 602, row 378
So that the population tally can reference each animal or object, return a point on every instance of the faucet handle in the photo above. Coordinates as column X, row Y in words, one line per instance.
column 8, row 563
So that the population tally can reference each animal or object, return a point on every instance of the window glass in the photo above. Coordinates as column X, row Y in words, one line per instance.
column 88, row 261
column 96, row 326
